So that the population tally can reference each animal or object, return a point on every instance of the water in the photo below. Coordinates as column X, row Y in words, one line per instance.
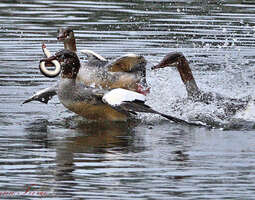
column 47, row 149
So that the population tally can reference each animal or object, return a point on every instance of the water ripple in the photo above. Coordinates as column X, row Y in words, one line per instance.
column 49, row 149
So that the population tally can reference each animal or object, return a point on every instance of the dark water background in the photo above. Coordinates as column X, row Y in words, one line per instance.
column 67, row 158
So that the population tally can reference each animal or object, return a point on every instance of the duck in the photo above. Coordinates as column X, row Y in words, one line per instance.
column 177, row 59
column 132, row 66
column 127, row 71
column 115, row 104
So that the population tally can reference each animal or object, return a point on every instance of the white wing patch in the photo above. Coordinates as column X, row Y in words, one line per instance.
column 90, row 53
column 117, row 96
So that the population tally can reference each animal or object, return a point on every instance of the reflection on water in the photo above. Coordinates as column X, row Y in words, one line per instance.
column 52, row 150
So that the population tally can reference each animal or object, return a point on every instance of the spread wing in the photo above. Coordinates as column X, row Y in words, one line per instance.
column 94, row 59
column 43, row 95
column 128, row 63
column 92, row 55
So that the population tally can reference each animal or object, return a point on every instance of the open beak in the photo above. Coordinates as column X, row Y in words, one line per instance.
column 156, row 67
column 162, row 66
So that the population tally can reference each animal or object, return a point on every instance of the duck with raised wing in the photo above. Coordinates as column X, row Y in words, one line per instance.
column 128, row 71
column 177, row 59
column 94, row 103
column 132, row 66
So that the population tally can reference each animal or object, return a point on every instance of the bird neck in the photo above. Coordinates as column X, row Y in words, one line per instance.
column 187, row 77
column 70, row 72
column 70, row 44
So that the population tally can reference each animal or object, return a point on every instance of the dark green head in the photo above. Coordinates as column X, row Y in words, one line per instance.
column 69, row 61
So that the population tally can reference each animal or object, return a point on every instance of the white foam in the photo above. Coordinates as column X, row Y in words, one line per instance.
column 247, row 114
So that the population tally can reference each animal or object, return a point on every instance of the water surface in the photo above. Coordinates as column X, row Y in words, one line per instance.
column 47, row 148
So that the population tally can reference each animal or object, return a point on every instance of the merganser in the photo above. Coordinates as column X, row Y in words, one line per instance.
column 134, row 65
column 230, row 105
column 94, row 103
column 128, row 71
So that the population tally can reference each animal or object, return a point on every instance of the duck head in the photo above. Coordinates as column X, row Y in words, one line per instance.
column 169, row 60
column 177, row 59
column 66, row 35
column 69, row 62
